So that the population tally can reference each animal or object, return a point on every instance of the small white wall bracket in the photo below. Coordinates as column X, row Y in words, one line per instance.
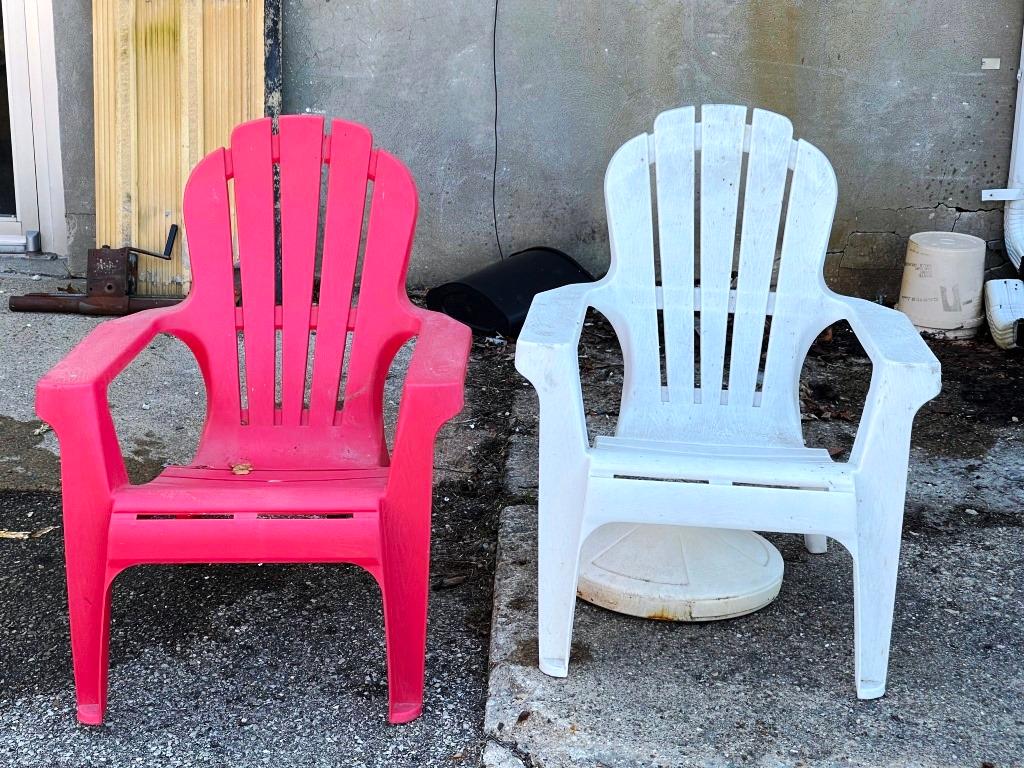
column 1002, row 194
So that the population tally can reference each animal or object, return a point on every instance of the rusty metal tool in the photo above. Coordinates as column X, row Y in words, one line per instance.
column 111, row 285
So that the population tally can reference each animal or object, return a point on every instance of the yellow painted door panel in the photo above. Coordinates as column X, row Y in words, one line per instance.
column 171, row 79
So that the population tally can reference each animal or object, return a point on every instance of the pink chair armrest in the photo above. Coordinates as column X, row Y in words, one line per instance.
column 433, row 393
column 438, row 366
column 72, row 398
column 100, row 356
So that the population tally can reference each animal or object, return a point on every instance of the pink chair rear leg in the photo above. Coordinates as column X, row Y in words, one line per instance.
column 404, row 586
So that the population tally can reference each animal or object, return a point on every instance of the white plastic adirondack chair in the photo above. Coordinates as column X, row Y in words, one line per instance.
column 724, row 431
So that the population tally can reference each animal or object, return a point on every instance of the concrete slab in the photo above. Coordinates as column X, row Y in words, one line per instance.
column 776, row 687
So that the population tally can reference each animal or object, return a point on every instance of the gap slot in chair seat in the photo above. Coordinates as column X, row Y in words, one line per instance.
column 769, row 467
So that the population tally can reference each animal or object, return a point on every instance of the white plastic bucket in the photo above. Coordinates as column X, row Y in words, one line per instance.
column 942, row 283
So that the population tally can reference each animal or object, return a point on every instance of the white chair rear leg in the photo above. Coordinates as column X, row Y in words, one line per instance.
column 816, row 543
column 875, row 565
column 558, row 555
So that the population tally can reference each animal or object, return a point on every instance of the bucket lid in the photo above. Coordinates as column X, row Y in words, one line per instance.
column 947, row 241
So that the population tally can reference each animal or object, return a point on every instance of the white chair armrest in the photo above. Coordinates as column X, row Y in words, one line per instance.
column 905, row 376
column 551, row 333
column 547, row 354
column 893, row 344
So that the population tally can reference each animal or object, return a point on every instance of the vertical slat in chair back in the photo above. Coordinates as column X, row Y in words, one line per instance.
column 706, row 341
column 632, row 305
column 674, row 147
column 281, row 343
column 800, row 290
column 384, row 321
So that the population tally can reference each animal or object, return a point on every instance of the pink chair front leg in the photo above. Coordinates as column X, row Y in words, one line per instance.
column 405, row 573
column 433, row 394
column 405, row 566
column 91, row 467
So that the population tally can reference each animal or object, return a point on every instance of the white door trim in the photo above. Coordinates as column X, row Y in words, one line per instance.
column 35, row 123
column 16, row 47
column 46, row 125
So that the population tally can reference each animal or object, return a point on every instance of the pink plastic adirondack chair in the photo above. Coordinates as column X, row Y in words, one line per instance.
column 327, row 468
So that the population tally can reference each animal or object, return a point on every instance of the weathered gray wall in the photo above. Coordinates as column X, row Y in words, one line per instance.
column 72, row 22
column 892, row 91
column 419, row 74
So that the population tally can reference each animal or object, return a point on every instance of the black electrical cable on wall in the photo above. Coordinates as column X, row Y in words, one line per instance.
column 494, row 171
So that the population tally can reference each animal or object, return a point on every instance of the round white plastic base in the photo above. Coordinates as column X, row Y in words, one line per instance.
column 674, row 573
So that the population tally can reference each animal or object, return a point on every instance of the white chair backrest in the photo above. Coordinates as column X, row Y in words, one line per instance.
column 721, row 186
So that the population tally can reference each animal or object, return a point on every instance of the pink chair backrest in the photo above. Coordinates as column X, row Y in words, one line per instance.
column 301, row 334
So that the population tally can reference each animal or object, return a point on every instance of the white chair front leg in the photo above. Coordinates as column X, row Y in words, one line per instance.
column 906, row 375
column 876, row 562
column 560, row 509
column 882, row 455
column 547, row 355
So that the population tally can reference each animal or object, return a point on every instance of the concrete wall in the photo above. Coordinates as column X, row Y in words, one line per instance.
column 72, row 22
column 892, row 91
column 419, row 74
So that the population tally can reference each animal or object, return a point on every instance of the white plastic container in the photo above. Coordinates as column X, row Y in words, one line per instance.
column 942, row 283
column 1004, row 307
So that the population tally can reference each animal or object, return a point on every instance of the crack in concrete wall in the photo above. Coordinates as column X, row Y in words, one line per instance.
column 867, row 251
column 956, row 211
column 875, row 238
